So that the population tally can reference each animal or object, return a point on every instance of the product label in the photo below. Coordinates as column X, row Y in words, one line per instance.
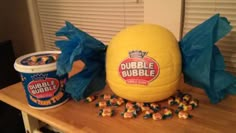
column 43, row 87
column 139, row 68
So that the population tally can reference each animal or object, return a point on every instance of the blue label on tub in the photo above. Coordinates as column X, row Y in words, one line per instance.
column 44, row 89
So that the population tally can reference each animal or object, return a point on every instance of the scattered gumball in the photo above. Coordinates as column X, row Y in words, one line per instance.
column 129, row 105
column 157, row 116
column 113, row 101
column 107, row 96
column 128, row 115
column 187, row 107
column 177, row 100
column 184, row 115
column 194, row 103
column 171, row 100
column 155, row 107
column 184, row 106
column 140, row 104
column 90, row 99
column 148, row 114
column 120, row 101
column 187, row 97
column 132, row 110
column 183, row 102
column 102, row 104
column 167, row 113
column 106, row 112
column 145, row 108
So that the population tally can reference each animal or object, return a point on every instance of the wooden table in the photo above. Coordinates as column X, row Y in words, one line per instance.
column 83, row 117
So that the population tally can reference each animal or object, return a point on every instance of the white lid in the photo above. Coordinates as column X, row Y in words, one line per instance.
column 37, row 68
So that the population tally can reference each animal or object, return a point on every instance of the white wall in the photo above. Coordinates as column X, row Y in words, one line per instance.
column 167, row 13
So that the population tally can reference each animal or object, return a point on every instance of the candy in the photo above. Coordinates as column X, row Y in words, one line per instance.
column 194, row 103
column 183, row 101
column 31, row 63
column 49, row 60
column 186, row 97
column 107, row 96
column 129, row 112
column 128, row 115
column 157, row 116
column 155, row 107
column 113, row 101
column 55, row 56
column 106, row 112
column 102, row 104
column 167, row 113
column 177, row 100
column 120, row 101
column 139, row 104
column 187, row 107
column 145, row 108
column 41, row 60
column 33, row 58
column 184, row 108
column 184, row 115
column 181, row 104
column 90, row 99
column 171, row 100
column 132, row 110
column 129, row 105
column 148, row 114
column 44, row 58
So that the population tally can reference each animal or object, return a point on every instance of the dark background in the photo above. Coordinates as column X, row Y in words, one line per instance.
column 10, row 118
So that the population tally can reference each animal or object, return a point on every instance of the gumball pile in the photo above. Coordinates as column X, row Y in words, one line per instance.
column 180, row 104
column 40, row 60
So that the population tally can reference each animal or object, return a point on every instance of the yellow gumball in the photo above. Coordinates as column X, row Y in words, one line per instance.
column 143, row 63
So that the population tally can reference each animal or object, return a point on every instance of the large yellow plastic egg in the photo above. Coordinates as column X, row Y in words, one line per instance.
column 143, row 63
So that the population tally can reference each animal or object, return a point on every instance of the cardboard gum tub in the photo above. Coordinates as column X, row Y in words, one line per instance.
column 43, row 88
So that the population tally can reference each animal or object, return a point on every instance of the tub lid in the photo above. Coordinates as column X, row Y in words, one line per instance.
column 21, row 66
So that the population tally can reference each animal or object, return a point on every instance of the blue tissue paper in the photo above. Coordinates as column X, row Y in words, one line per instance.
column 203, row 64
column 81, row 46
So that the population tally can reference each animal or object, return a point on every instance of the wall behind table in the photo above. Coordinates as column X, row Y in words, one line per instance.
column 2, row 21
column 15, row 26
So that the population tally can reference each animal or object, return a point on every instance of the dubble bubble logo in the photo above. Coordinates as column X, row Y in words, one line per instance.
column 43, row 87
column 139, row 68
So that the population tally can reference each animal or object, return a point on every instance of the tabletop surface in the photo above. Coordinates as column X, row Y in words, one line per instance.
column 83, row 117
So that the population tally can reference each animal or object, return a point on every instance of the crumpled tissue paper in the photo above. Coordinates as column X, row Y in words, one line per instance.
column 203, row 64
column 81, row 46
